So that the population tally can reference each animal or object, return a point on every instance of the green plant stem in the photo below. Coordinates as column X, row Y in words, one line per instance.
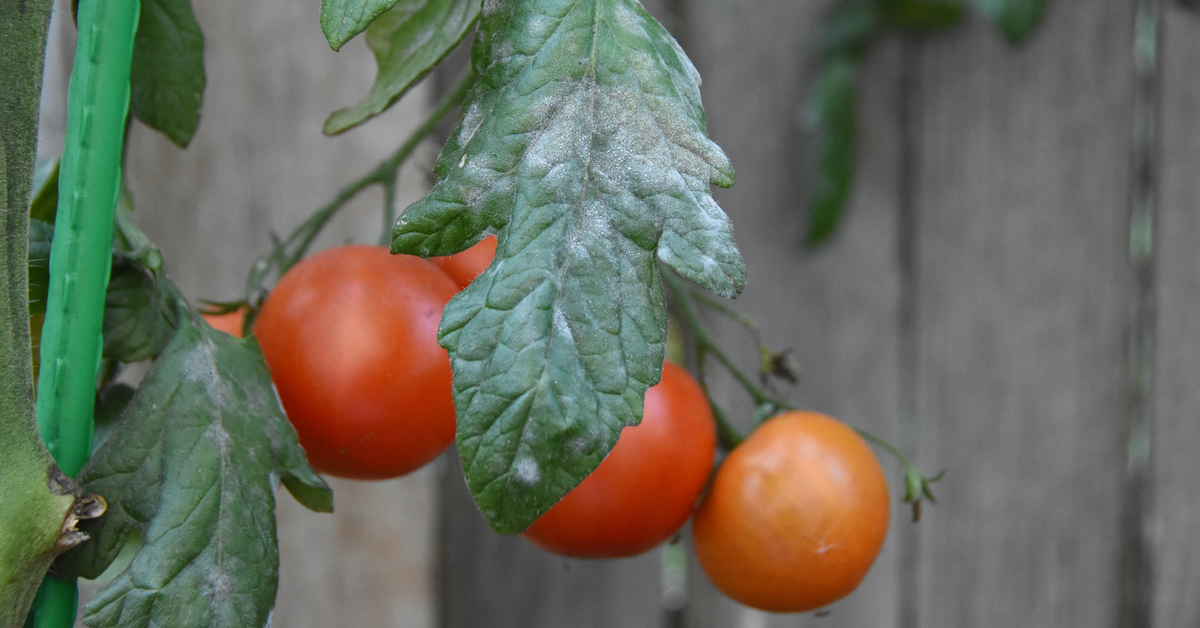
column 89, row 182
column 916, row 486
column 383, row 174
column 729, row 435
column 706, row 344
column 148, row 255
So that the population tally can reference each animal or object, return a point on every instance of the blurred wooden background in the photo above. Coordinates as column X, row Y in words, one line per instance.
column 1012, row 297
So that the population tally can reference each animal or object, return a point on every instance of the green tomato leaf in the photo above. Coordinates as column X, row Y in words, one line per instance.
column 139, row 313
column 1017, row 18
column 831, row 116
column 193, row 465
column 44, row 204
column 167, row 77
column 917, row 15
column 341, row 20
column 584, row 146
column 408, row 40
column 111, row 402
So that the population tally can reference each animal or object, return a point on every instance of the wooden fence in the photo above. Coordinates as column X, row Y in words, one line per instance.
column 1012, row 297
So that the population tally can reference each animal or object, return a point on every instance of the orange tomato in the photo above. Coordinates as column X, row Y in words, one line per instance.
column 464, row 267
column 646, row 488
column 795, row 516
column 231, row 323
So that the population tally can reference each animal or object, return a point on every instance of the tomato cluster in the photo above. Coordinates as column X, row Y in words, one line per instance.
column 791, row 521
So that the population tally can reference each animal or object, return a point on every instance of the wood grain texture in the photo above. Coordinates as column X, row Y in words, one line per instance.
column 1176, row 436
column 368, row 564
column 1025, row 298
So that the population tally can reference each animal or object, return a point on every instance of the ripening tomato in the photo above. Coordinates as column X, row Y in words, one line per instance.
column 646, row 488
column 231, row 323
column 350, row 336
column 795, row 516
column 464, row 267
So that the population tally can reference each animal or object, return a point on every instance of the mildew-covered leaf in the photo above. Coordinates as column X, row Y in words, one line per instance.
column 193, row 465
column 584, row 147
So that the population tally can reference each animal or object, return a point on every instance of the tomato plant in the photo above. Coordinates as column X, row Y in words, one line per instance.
column 795, row 516
column 350, row 337
column 647, row 486
column 464, row 267
column 599, row 184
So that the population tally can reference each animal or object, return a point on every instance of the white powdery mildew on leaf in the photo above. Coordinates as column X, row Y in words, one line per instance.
column 584, row 147
column 200, row 366
column 221, row 438
column 527, row 471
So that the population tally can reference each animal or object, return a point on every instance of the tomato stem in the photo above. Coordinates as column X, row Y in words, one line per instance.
column 728, row 434
column 916, row 486
column 384, row 174
column 705, row 343
column 148, row 255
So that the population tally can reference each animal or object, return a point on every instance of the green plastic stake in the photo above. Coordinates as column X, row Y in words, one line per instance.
column 80, row 258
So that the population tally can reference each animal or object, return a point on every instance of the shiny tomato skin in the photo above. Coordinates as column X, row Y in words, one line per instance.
column 647, row 487
column 464, row 267
column 795, row 516
column 350, row 336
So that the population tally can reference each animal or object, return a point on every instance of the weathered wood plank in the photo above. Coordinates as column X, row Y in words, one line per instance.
column 1025, row 299
column 1176, row 436
column 368, row 564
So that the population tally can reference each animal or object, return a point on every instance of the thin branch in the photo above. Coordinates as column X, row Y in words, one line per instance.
column 705, row 342
column 383, row 174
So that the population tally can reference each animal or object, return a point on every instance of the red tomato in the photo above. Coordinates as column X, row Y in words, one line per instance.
column 465, row 267
column 350, row 336
column 795, row 516
column 231, row 323
column 646, row 488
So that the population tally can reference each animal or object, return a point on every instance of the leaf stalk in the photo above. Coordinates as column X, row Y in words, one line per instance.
column 384, row 174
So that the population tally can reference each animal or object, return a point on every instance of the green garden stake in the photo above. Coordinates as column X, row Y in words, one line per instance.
column 89, row 181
